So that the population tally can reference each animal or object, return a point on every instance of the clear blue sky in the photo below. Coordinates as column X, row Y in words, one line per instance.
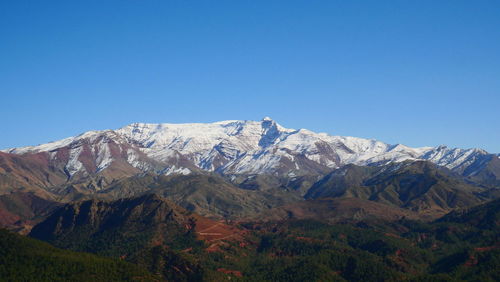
column 413, row 72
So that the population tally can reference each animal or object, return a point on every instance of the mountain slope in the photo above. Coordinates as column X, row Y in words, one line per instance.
column 147, row 230
column 125, row 225
column 419, row 186
column 27, row 259
column 454, row 248
column 20, row 211
column 207, row 195
column 334, row 210
column 486, row 171
column 486, row 216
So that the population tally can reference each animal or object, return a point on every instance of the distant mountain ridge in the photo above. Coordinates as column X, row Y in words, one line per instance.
column 232, row 147
column 419, row 186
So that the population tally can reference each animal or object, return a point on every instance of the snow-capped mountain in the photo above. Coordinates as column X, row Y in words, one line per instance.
column 232, row 147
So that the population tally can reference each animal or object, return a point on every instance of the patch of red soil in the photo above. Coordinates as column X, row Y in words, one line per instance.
column 8, row 219
column 391, row 235
column 214, row 248
column 485, row 249
column 228, row 271
column 87, row 158
column 307, row 239
column 211, row 230
column 218, row 233
column 471, row 261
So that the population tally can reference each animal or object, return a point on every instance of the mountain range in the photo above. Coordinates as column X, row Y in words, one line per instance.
column 237, row 169
column 230, row 148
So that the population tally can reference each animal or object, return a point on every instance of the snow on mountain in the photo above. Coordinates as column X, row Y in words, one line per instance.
column 452, row 158
column 235, row 147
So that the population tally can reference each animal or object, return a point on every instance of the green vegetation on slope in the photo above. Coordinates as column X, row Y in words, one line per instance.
column 27, row 259
column 460, row 246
